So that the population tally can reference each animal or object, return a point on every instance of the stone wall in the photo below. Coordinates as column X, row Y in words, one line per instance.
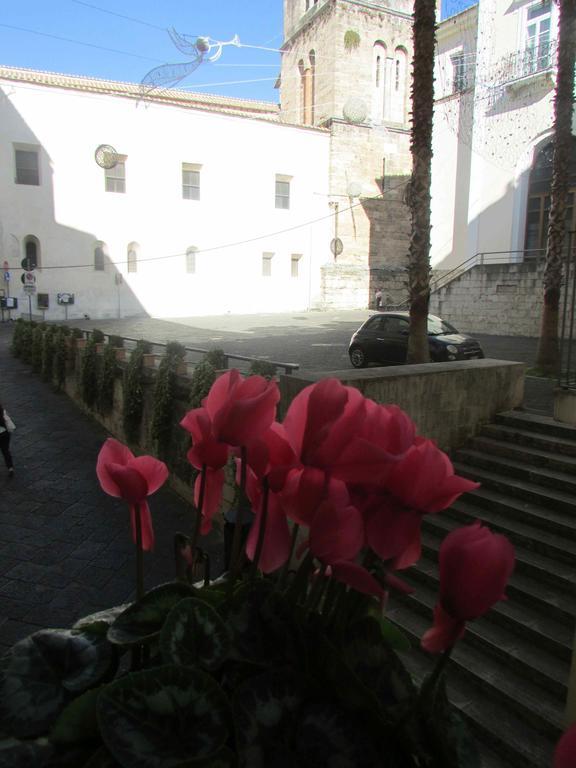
column 500, row 299
column 448, row 401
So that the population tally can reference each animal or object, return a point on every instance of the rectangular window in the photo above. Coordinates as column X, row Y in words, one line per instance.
column 458, row 73
column 191, row 181
column 282, row 192
column 538, row 53
column 267, row 264
column 295, row 261
column 115, row 178
column 27, row 166
column 43, row 300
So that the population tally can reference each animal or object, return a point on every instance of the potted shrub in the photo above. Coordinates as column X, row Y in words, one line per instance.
column 117, row 344
column 288, row 659
column 78, row 339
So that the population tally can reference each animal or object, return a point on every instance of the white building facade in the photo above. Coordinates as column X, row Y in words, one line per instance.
column 495, row 78
column 214, row 204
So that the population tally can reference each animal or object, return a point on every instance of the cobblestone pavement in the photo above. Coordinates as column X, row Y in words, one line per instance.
column 65, row 546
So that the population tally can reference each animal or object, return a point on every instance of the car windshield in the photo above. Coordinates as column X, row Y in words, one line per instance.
column 437, row 327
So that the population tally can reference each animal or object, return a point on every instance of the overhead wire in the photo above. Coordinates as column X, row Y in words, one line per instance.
column 237, row 243
column 119, row 15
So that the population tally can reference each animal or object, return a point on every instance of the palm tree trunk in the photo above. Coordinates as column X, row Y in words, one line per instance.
column 548, row 357
column 424, row 33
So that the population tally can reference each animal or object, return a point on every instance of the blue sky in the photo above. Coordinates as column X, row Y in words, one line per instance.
column 143, row 43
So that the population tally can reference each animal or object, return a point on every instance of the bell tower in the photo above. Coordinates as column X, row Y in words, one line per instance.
column 346, row 68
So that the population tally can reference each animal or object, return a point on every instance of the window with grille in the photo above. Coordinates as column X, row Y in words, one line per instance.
column 282, row 192
column 267, row 264
column 99, row 257
column 458, row 73
column 190, row 181
column 27, row 166
column 191, row 260
column 115, row 178
column 132, row 257
column 294, row 264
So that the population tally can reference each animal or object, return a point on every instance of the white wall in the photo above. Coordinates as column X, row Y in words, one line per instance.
column 71, row 210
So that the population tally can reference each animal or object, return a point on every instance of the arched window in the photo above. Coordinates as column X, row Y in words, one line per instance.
column 132, row 257
column 378, row 81
column 399, row 88
column 32, row 251
column 538, row 203
column 100, row 254
column 312, row 59
column 191, row 260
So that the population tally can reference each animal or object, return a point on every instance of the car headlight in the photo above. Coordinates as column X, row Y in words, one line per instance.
column 452, row 349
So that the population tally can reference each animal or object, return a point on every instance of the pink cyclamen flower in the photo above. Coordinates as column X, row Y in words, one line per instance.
column 241, row 410
column 565, row 753
column 475, row 566
column 125, row 476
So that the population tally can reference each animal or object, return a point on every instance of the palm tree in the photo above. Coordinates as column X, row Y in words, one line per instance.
column 418, row 196
column 548, row 357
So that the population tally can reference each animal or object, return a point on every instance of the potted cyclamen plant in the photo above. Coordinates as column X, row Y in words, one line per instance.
column 287, row 660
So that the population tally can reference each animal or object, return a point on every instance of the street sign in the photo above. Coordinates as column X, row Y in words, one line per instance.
column 30, row 289
column 28, row 278
column 28, row 263
column 6, row 277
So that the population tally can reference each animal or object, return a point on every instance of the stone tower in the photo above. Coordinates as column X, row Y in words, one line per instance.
column 346, row 67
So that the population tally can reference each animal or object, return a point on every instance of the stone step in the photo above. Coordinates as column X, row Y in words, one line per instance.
column 541, row 476
column 536, row 423
column 540, row 628
column 562, row 503
column 520, row 527
column 522, row 654
column 525, row 454
column 548, row 521
column 546, row 569
column 492, row 719
column 557, row 445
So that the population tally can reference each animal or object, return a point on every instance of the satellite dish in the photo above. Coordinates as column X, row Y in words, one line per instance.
column 354, row 189
column 106, row 156
column 355, row 110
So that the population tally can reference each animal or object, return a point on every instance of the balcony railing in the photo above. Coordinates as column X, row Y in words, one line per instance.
column 530, row 61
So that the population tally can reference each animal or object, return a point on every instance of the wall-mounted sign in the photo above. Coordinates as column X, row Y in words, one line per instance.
column 43, row 301
column 8, row 302
column 65, row 298
column 28, row 278
column 6, row 277
column 31, row 289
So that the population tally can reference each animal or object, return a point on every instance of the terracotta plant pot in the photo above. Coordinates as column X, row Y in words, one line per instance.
column 80, row 343
column 121, row 354
column 149, row 360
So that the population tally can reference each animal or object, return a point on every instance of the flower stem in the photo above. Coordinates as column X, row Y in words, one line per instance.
column 317, row 588
column 198, row 520
column 139, row 558
column 236, row 557
column 286, row 566
column 430, row 686
column 263, row 521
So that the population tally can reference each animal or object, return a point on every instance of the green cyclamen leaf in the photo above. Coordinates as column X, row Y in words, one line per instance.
column 25, row 754
column 265, row 714
column 142, row 621
column 194, row 634
column 163, row 717
column 43, row 672
column 78, row 721
column 98, row 623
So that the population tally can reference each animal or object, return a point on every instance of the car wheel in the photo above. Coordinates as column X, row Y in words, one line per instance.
column 358, row 358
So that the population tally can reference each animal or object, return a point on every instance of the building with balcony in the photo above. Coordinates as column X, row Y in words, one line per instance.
column 495, row 77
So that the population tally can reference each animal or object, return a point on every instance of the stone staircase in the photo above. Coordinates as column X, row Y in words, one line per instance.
column 509, row 674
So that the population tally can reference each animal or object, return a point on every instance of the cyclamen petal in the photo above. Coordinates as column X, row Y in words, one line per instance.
column 132, row 485
column 212, row 497
column 112, row 452
column 357, row 577
column 277, row 539
column 336, row 533
column 444, row 634
column 154, row 471
column 565, row 752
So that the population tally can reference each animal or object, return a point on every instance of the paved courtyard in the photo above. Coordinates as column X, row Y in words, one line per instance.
column 65, row 546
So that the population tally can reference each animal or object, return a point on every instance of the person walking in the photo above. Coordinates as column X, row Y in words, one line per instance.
column 7, row 426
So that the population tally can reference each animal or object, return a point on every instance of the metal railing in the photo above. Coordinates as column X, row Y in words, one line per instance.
column 567, row 370
column 526, row 62
column 288, row 368
column 481, row 258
